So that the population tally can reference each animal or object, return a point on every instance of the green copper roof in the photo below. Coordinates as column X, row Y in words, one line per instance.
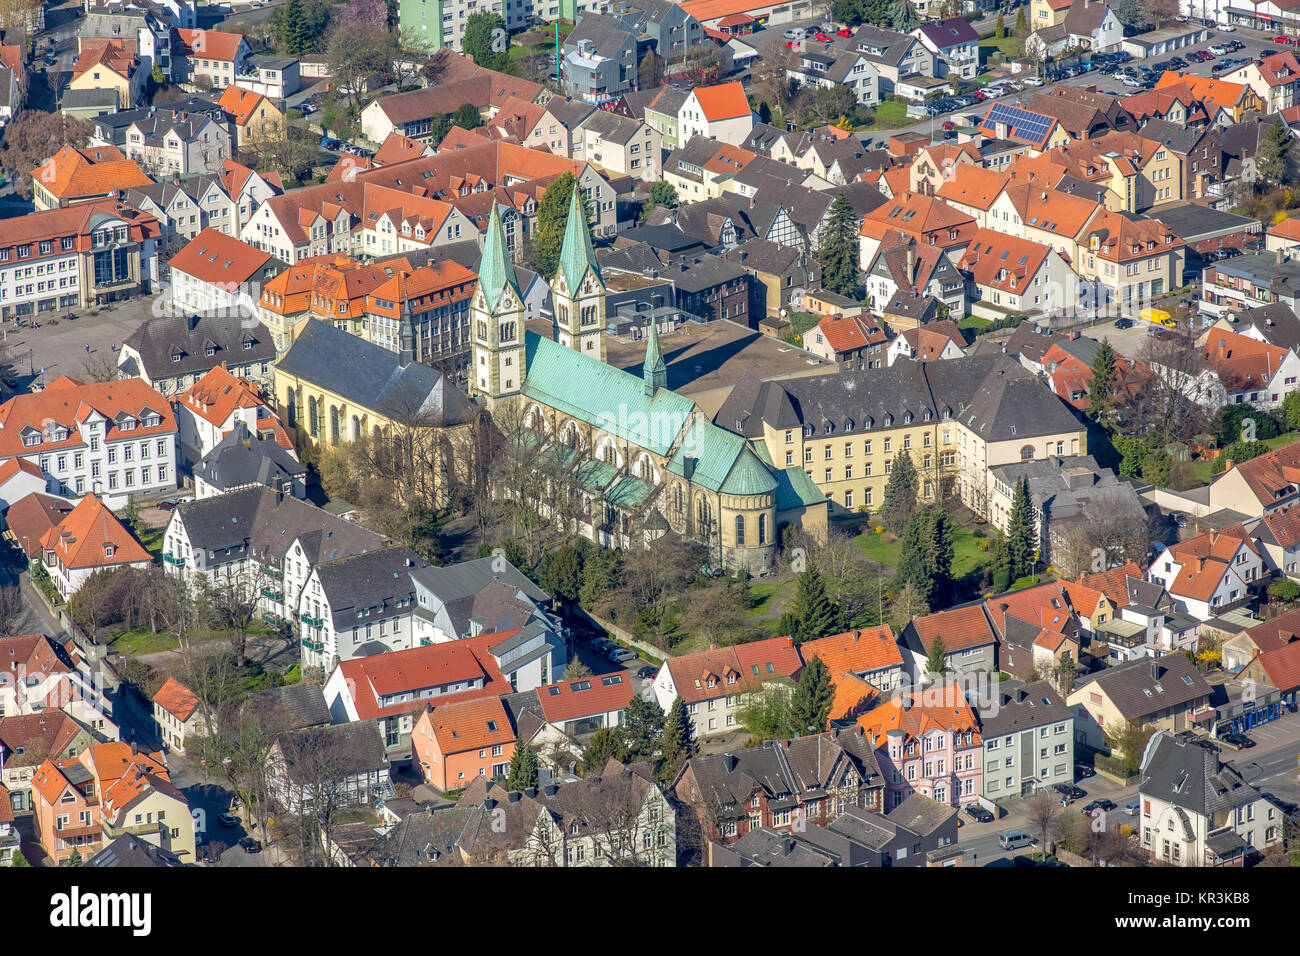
column 794, row 489
column 576, row 254
column 721, row 461
column 599, row 394
column 629, row 492
column 496, row 271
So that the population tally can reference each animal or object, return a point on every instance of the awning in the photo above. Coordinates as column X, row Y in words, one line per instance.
column 1225, row 844
column 1204, row 716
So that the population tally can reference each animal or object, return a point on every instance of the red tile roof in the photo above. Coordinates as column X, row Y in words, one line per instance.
column 857, row 651
column 241, row 104
column 218, row 394
column 1114, row 583
column 1241, row 362
column 32, row 516
column 72, row 173
column 68, row 402
column 733, row 670
column 927, row 710
column 214, row 257
column 177, row 699
column 91, row 536
column 470, row 725
column 586, row 697
column 845, row 333
column 722, row 101
column 208, row 44
column 1282, row 665
column 1047, row 606
column 961, row 628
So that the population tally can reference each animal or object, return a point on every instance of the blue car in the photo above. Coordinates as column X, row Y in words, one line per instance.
column 329, row 142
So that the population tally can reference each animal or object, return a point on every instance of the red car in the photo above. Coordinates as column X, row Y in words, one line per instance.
column 846, row 32
column 792, row 44
column 947, row 124
column 821, row 37
column 981, row 94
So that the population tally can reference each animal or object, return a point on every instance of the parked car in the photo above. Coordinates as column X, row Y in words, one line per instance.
column 647, row 673
column 622, row 654
column 1082, row 770
column 1071, row 791
column 845, row 32
column 1014, row 839
column 821, row 37
column 1105, row 805
column 1123, row 323
column 1031, row 81
column 1132, row 807
column 228, row 819
column 1240, row 741
column 796, row 33
column 250, row 845
column 979, row 814
column 329, row 142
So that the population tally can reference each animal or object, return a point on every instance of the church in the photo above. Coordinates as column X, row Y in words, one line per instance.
column 638, row 458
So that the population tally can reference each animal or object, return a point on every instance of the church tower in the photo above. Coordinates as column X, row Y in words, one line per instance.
column 578, row 291
column 497, row 312
column 654, row 371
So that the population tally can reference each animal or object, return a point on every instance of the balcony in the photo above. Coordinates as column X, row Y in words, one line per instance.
column 112, row 832
column 311, row 621
column 317, row 646
column 178, row 562
column 273, row 572
column 273, row 594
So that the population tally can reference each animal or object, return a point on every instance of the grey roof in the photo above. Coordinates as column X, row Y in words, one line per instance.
column 921, row 814
column 762, row 138
column 764, row 255
column 1179, row 138
column 1147, row 685
column 671, row 100
column 763, row 846
column 991, row 394
column 82, row 99
column 877, row 43
column 272, row 62
column 611, row 126
column 669, row 238
column 158, row 339
column 1276, row 322
column 1192, row 777
column 157, row 126
column 358, row 748
column 1193, row 222
column 1073, row 486
column 468, row 578
column 702, row 272
column 117, row 123
column 267, row 523
column 368, row 587
column 129, row 850
column 1022, row 706
column 569, row 112
column 292, row 706
column 373, row 377
column 242, row 458
column 606, row 34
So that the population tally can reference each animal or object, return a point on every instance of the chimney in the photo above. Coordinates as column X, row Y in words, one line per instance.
column 729, row 761
column 1155, row 671
column 857, row 635
column 1280, row 258
column 513, row 796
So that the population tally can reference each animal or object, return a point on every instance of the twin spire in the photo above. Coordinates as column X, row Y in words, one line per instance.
column 496, row 271
column 576, row 253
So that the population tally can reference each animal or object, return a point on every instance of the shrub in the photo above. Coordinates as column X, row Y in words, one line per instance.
column 1286, row 592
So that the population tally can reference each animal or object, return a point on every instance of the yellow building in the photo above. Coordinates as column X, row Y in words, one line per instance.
column 104, row 65
column 1047, row 13
column 954, row 419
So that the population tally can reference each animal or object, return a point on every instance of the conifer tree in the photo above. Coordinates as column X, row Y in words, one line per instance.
column 939, row 553
column 679, row 742
column 548, row 228
column 913, row 562
column 295, row 33
column 643, row 729
column 839, row 250
column 899, row 502
column 1105, row 376
column 813, row 613
column 1022, row 536
column 523, row 769
column 936, row 661
column 810, row 706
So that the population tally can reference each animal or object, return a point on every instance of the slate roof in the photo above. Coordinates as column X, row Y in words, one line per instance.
column 1192, row 777
column 475, row 590
column 1021, row 706
column 268, row 523
column 372, row 377
column 158, row 339
column 376, row 584
column 293, row 706
column 129, row 850
column 358, row 745
column 1147, row 685
column 921, row 814
column 242, row 458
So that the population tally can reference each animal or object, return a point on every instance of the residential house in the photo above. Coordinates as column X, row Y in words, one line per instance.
column 1277, row 536
column 1127, row 260
column 1264, row 485
column 89, row 539
column 171, row 353
column 1243, row 370
column 619, row 145
column 207, row 59
column 215, row 272
column 854, row 342
column 1166, row 692
column 185, row 208
column 1037, row 131
column 955, row 44
column 1017, row 275
column 356, row 759
column 903, row 265
column 863, row 663
column 720, row 112
column 937, row 340
column 209, row 409
column 476, row 597
column 1028, row 734
column 838, row 68
column 712, row 683
column 107, row 66
column 924, row 219
column 1210, row 573
column 970, row 643
column 1199, row 811
column 246, row 457
column 1234, row 98
column 783, row 784
column 72, row 176
column 895, row 56
column 274, row 77
column 927, row 741
column 178, row 715
column 458, row 741
column 27, row 741
column 780, row 270
column 261, row 538
column 254, row 118
column 174, row 143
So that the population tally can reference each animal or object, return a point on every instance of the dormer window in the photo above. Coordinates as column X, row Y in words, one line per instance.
column 32, row 439
column 176, row 357
column 126, row 424
column 109, row 550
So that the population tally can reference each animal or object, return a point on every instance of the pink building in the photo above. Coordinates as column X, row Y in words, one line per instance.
column 927, row 742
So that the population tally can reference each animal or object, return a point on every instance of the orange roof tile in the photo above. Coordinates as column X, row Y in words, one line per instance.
column 66, row 402
column 72, row 173
column 845, row 333
column 585, row 697
column 919, row 712
column 218, row 394
column 469, row 724
column 961, row 628
column 214, row 257
column 858, row 651
column 1240, row 361
column 998, row 261
column 1220, row 94
column 177, row 699
column 209, row 44
column 241, row 103
column 722, row 101
column 91, row 536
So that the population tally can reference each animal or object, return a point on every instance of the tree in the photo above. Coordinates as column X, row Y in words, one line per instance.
column 1130, row 14
column 810, row 706
column 909, row 604
column 1064, row 676
column 679, row 740
column 296, row 37
column 563, row 578
column 899, row 501
column 1101, row 392
column 368, row 12
column 939, row 553
column 1043, row 813
column 289, row 152
column 813, row 613
column 913, row 562
column 903, row 17
column 466, row 117
column 323, row 762
column 1022, row 532
column 1170, row 407
column 91, row 606
column 32, row 140
column 1128, row 741
column 12, row 609
column 1022, row 25
column 1275, row 163
column 936, row 662
column 1159, row 12
column 236, row 599
column 548, row 227
column 650, row 72
column 439, row 127
column 99, row 366
column 765, row 713
column 75, row 860
column 603, row 746
column 523, row 768
column 355, row 52
column 486, row 41
column 829, row 103
column 717, row 614
column 1291, row 410
column 839, row 253
column 698, row 66
column 1000, row 28
column 642, row 729
column 576, row 669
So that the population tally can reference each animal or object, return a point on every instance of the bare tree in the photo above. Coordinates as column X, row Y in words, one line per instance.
column 317, row 771
column 1170, row 406
column 236, row 601
column 12, row 609
column 99, row 366
column 1044, row 811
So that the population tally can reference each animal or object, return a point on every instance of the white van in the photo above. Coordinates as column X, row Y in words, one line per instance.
column 1014, row 839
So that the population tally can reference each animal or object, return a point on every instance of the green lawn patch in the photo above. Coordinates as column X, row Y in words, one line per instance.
column 152, row 539
column 1008, row 46
column 1029, row 580
column 974, row 323
column 142, row 641
column 1282, row 440
column 968, row 553
column 892, row 114
column 801, row 322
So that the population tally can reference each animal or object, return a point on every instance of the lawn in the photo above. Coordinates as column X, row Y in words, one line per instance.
column 973, row 323
column 1206, row 473
column 968, row 555
column 892, row 114
column 1008, row 46
column 152, row 539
